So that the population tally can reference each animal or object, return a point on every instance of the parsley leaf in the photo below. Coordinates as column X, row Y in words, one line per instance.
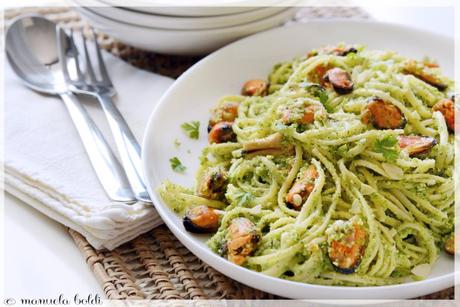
column 176, row 165
column 388, row 141
column 192, row 129
column 386, row 146
column 323, row 97
column 319, row 92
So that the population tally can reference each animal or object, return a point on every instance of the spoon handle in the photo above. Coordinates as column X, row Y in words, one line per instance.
column 104, row 162
column 128, row 147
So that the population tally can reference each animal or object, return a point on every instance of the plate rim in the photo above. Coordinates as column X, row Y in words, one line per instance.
column 436, row 283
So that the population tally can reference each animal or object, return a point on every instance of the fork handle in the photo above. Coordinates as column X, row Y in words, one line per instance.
column 104, row 162
column 128, row 147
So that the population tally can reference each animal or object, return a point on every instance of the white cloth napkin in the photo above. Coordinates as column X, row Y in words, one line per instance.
column 47, row 167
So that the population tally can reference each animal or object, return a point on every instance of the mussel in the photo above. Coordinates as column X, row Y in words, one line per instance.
column 255, row 87
column 419, row 71
column 346, row 245
column 201, row 219
column 447, row 108
column 306, row 117
column 415, row 144
column 339, row 79
column 241, row 240
column 302, row 188
column 383, row 115
column 213, row 184
column 222, row 132
column 227, row 112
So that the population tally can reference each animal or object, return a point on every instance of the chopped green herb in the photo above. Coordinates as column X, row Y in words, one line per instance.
column 351, row 55
column 301, row 128
column 319, row 92
column 189, row 151
column 342, row 150
column 386, row 147
column 388, row 141
column 244, row 198
column 323, row 97
column 192, row 129
column 176, row 165
column 177, row 142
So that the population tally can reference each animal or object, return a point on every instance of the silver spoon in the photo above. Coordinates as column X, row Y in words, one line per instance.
column 31, row 49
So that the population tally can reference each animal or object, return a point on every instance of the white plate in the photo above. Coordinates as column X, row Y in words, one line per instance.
column 222, row 73
column 181, row 41
column 182, row 23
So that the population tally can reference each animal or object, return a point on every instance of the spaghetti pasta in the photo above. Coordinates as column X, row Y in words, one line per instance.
column 361, row 199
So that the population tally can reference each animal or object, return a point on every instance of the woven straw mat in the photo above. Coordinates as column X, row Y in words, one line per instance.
column 156, row 265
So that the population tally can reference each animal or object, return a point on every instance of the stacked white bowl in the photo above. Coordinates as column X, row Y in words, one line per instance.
column 183, row 30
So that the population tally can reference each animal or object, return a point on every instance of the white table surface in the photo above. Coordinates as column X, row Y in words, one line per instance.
column 41, row 259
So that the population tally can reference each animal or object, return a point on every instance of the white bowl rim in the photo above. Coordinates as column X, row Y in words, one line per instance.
column 222, row 3
column 186, row 22
column 161, row 11
column 285, row 12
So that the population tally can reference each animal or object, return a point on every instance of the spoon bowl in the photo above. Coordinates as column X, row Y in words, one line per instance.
column 29, row 48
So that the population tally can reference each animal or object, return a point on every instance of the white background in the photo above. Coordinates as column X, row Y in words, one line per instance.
column 41, row 259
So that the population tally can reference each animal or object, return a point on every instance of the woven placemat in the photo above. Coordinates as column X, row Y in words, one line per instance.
column 156, row 265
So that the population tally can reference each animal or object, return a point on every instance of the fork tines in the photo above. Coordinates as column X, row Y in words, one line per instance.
column 74, row 72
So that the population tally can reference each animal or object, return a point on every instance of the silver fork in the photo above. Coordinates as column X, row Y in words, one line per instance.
column 102, row 88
